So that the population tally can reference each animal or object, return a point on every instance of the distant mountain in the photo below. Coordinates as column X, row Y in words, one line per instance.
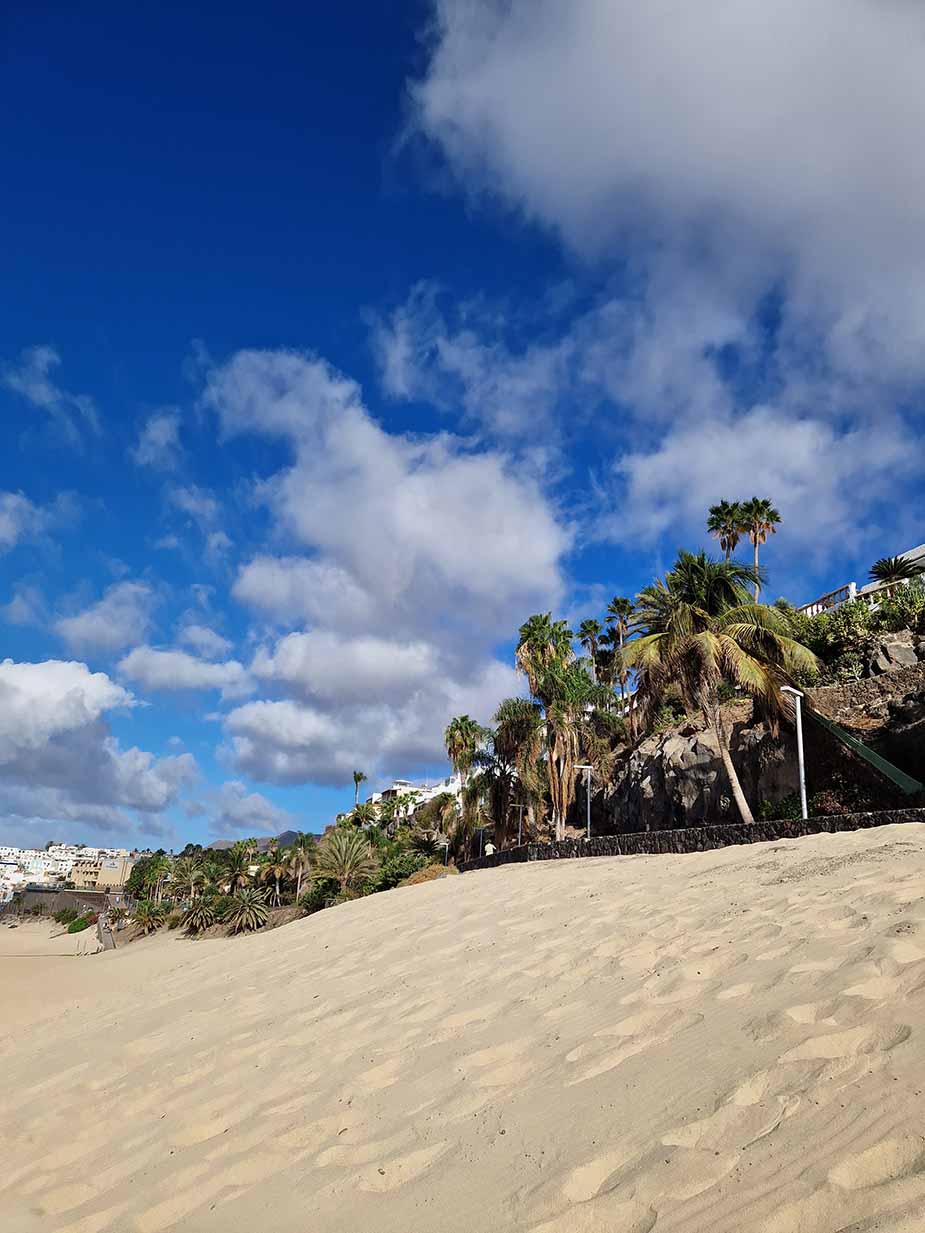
column 263, row 841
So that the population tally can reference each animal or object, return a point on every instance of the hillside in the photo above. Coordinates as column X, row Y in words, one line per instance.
column 730, row 1041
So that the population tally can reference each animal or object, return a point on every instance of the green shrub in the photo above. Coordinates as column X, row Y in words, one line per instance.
column 221, row 905
column 174, row 918
column 79, row 925
column 318, row 895
column 396, row 869
column 66, row 915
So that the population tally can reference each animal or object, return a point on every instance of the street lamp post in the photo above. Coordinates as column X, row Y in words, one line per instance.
column 587, row 770
column 798, row 707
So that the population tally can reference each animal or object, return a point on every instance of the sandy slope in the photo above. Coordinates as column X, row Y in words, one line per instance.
column 725, row 1042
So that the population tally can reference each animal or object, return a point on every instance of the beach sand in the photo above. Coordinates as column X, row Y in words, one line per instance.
column 724, row 1042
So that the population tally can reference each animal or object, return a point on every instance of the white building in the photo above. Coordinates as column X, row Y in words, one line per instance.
column 850, row 590
column 414, row 794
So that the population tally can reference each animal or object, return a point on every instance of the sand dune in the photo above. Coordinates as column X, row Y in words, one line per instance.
column 726, row 1042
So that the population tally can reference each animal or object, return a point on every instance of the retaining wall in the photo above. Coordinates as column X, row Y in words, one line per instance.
column 691, row 839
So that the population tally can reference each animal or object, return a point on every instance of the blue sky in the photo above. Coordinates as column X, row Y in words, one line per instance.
column 334, row 343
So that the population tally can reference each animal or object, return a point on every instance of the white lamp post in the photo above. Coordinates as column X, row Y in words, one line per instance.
column 587, row 770
column 798, row 707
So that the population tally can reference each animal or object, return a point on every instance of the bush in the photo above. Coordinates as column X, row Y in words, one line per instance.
column 396, row 869
column 221, row 905
column 318, row 895
column 174, row 918
column 66, row 915
column 79, row 925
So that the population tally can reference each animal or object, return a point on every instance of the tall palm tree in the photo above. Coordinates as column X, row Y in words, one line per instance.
column 187, row 875
column 345, row 856
column 299, row 858
column 701, row 629
column 619, row 618
column 543, row 644
column 724, row 523
column 518, row 738
column 890, row 570
column 358, row 778
column 759, row 520
column 589, row 635
column 156, row 876
column 462, row 738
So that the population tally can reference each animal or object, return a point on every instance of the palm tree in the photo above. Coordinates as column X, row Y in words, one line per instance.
column 156, row 876
column 491, row 788
column 619, row 615
column 345, row 856
column 572, row 698
column 543, row 643
column 759, row 520
column 890, row 570
column 248, row 911
column 187, row 874
column 149, row 916
column 300, row 854
column 518, row 739
column 273, row 870
column 237, row 868
column 364, row 815
column 462, row 738
column 358, row 778
column 700, row 630
column 589, row 635
column 725, row 524
column 200, row 916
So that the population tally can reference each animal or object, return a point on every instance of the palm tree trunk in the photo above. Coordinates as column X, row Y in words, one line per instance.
column 757, row 583
column 715, row 723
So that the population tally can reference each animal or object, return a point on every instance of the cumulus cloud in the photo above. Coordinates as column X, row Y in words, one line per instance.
column 158, row 445
column 22, row 520
column 753, row 175
column 204, row 640
column 418, row 523
column 289, row 741
column 178, row 670
column 32, row 379
column 121, row 617
column 197, row 503
column 236, row 811
column 420, row 553
column 60, row 763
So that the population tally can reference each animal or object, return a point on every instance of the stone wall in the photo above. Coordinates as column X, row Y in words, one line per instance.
column 692, row 839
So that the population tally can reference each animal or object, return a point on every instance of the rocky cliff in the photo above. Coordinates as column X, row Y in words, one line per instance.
column 676, row 778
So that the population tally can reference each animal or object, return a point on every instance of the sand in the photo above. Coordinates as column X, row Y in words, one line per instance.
column 725, row 1042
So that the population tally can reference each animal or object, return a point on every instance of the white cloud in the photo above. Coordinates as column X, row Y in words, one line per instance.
column 19, row 519
column 289, row 741
column 32, row 379
column 121, row 617
column 59, row 762
column 422, row 552
column 158, row 443
column 292, row 590
column 468, row 366
column 755, row 173
column 327, row 666
column 27, row 607
column 204, row 640
column 235, row 810
column 196, row 502
column 177, row 670
column 420, row 524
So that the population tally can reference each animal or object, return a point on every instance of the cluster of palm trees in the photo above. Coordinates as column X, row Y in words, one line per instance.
column 729, row 521
column 694, row 638
column 238, row 887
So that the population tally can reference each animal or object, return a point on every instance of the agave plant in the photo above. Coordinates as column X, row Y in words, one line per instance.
column 248, row 910
column 200, row 916
column 149, row 916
